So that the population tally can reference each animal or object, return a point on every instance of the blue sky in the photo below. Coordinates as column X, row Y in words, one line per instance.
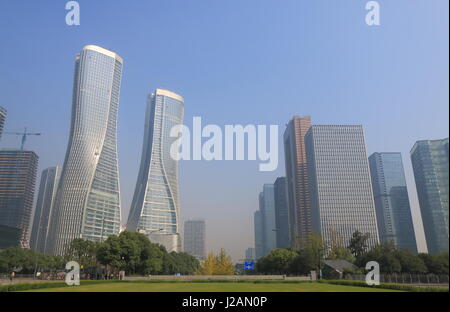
column 235, row 62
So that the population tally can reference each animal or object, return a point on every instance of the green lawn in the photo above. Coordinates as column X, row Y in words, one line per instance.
column 209, row 287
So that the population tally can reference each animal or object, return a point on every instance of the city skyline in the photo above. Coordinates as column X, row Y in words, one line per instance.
column 408, row 101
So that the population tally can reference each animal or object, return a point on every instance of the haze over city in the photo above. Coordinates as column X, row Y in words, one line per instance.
column 234, row 62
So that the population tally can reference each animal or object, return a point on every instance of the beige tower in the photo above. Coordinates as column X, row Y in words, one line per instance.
column 297, row 180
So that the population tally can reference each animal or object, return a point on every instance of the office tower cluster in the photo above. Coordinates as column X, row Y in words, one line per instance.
column 195, row 238
column 81, row 199
column 272, row 219
column 332, row 189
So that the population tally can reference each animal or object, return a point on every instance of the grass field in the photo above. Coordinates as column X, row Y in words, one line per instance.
column 210, row 287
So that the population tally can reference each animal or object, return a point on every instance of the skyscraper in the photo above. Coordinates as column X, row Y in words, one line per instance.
column 259, row 234
column 340, row 185
column 44, row 207
column 194, row 238
column 88, row 200
column 390, row 193
column 2, row 120
column 17, row 180
column 155, row 209
column 297, row 180
column 430, row 164
column 267, row 209
column 281, row 213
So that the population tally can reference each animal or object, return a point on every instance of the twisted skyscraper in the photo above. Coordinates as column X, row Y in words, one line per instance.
column 155, row 209
column 88, row 201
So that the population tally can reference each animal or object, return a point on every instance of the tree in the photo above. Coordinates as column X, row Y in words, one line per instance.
column 208, row 266
column 358, row 243
column 410, row 262
column 184, row 263
column 25, row 260
column 337, row 250
column 217, row 265
column 278, row 261
column 310, row 256
column 385, row 255
column 224, row 264
column 82, row 251
column 437, row 263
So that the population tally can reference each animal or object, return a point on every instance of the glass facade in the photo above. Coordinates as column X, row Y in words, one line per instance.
column 194, row 238
column 430, row 164
column 9, row 236
column 44, row 206
column 17, row 181
column 259, row 234
column 340, row 185
column 390, row 193
column 281, row 213
column 155, row 209
column 267, row 223
column 2, row 120
column 88, row 201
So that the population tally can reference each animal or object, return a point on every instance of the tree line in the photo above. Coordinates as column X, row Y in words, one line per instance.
column 310, row 258
column 129, row 251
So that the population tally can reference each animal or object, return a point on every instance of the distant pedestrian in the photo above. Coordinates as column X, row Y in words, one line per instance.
column 11, row 276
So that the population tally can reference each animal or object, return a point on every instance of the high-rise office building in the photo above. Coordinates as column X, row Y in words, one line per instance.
column 2, row 120
column 9, row 236
column 340, row 185
column 17, row 180
column 391, row 198
column 44, row 207
column 155, row 209
column 297, row 180
column 250, row 254
column 430, row 164
column 259, row 234
column 194, row 238
column 281, row 213
column 267, row 208
column 88, row 197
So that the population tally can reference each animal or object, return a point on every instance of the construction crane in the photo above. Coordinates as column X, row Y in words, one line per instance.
column 24, row 136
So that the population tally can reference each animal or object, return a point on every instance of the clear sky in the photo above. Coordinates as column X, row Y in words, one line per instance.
column 235, row 62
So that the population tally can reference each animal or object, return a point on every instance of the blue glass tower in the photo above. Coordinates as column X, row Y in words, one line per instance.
column 430, row 164
column 392, row 207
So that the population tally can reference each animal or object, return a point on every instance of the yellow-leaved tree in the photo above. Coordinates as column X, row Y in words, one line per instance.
column 217, row 265
column 208, row 265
